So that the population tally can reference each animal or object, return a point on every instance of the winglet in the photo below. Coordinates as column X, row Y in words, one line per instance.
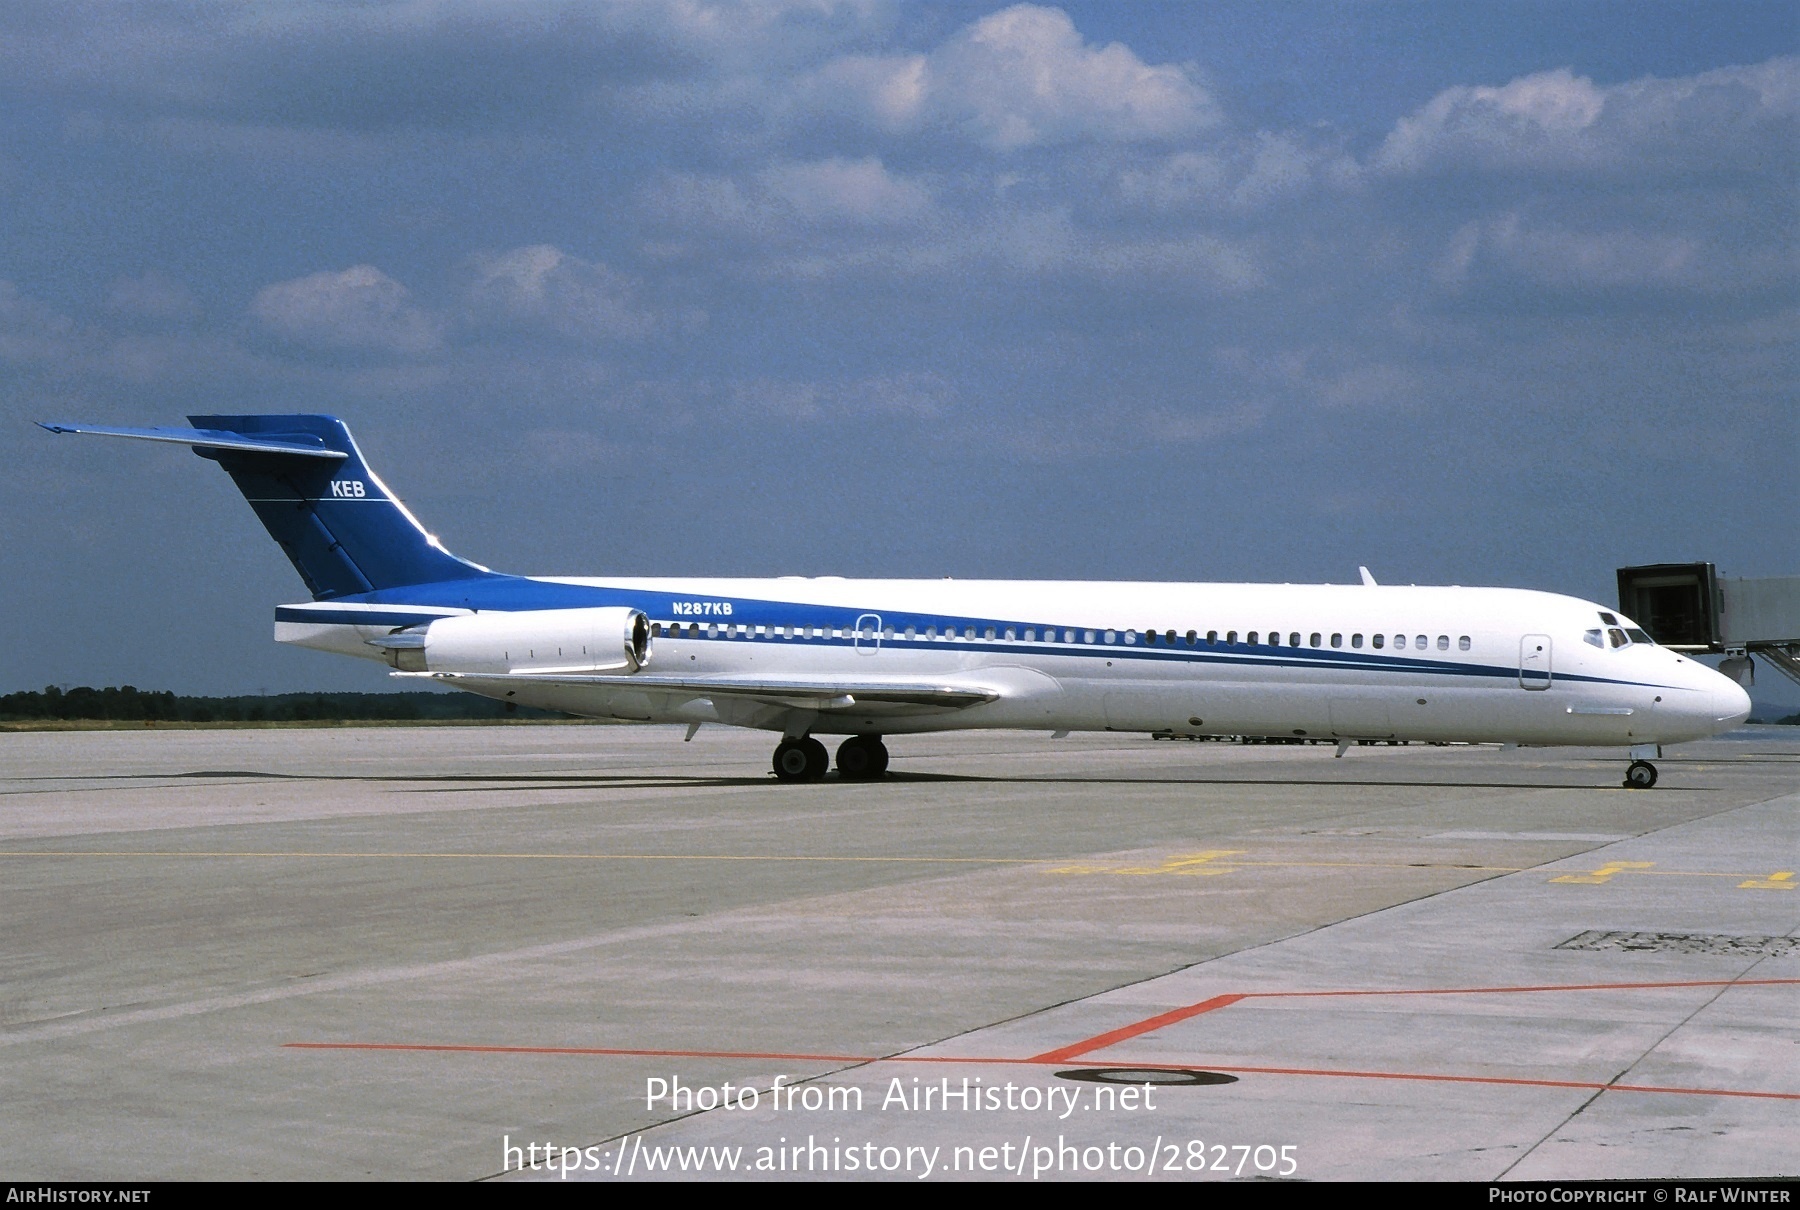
column 1368, row 580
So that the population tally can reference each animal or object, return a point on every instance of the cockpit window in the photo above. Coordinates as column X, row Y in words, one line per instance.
column 1638, row 636
column 1593, row 636
column 1617, row 637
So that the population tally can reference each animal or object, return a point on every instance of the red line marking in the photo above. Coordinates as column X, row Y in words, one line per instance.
column 1548, row 987
column 1112, row 1038
column 1040, row 1061
column 575, row 1050
column 1065, row 1053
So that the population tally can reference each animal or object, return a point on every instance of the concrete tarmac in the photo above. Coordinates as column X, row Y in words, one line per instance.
column 444, row 952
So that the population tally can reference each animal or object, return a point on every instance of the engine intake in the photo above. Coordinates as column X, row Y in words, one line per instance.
column 535, row 640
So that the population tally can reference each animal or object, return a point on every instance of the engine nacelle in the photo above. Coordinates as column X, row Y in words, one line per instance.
column 534, row 640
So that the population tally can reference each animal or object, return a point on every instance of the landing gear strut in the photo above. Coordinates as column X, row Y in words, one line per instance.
column 1641, row 775
column 801, row 759
column 862, row 758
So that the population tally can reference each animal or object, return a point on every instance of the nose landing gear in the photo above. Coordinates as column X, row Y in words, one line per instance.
column 1641, row 775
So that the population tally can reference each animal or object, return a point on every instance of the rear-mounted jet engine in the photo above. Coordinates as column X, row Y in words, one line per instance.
column 536, row 640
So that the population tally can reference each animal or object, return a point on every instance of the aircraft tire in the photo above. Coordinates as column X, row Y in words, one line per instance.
column 800, row 760
column 1641, row 775
column 862, row 758
column 817, row 759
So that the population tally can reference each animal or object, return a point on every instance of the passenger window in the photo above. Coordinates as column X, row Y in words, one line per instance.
column 1193, row 638
column 1443, row 642
column 1251, row 638
column 1314, row 639
column 1337, row 640
column 1131, row 637
column 1112, row 636
column 656, row 630
column 1011, row 634
column 989, row 632
column 693, row 630
column 968, row 632
column 1421, row 641
column 1212, row 637
column 1356, row 640
column 1231, row 637
column 1377, row 640
column 1463, row 643
column 1087, row 636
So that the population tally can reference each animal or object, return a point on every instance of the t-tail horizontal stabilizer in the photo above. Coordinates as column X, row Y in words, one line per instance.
column 341, row 527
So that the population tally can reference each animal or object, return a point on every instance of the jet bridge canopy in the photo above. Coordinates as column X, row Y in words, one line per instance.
column 1690, row 607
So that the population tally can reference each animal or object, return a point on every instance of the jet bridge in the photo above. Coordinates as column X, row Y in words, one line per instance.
column 1690, row 607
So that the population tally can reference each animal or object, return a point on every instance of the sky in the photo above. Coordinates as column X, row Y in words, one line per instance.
column 1477, row 294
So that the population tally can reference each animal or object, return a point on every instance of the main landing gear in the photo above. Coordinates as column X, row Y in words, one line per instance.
column 862, row 758
column 859, row 758
column 1641, row 775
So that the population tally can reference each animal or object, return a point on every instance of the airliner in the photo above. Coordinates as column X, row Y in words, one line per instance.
column 865, row 659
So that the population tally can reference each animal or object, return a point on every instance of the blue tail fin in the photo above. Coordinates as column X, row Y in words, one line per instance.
column 344, row 531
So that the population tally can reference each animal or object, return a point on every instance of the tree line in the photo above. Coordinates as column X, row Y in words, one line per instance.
column 127, row 703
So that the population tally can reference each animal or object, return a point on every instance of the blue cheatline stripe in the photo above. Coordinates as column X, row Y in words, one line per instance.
column 513, row 593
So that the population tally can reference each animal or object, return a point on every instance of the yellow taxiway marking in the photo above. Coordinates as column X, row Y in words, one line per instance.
column 525, row 856
column 1179, row 863
column 1202, row 863
column 1605, row 873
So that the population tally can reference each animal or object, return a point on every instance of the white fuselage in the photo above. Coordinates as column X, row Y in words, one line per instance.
column 1313, row 661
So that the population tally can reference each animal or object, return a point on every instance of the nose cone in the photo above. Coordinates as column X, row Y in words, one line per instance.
column 1705, row 704
column 1729, row 703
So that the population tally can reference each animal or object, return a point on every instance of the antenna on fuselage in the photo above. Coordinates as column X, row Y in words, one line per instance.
column 1368, row 580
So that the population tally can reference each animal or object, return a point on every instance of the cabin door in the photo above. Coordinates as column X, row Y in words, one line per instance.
column 1534, row 661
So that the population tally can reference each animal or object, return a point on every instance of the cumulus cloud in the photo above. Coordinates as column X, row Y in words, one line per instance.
column 1242, row 174
column 542, row 286
column 792, row 195
column 152, row 296
column 1556, row 255
column 356, row 308
column 1561, row 122
column 861, row 192
column 30, row 331
column 915, row 395
column 1022, row 77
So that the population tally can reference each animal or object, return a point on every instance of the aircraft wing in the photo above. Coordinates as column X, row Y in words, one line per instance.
column 822, row 694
